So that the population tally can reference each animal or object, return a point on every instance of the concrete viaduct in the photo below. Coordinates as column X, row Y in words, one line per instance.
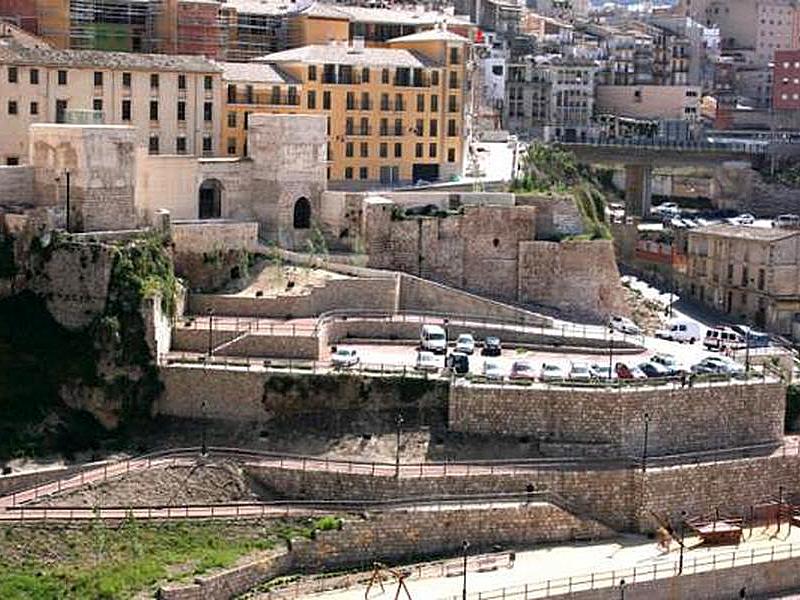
column 639, row 161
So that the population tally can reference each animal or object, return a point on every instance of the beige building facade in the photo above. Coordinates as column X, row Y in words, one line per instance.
column 747, row 272
column 173, row 102
column 395, row 115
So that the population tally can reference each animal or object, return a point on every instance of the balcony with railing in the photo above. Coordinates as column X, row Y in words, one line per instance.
column 268, row 98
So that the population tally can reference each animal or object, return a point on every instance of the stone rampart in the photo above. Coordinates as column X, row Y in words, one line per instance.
column 578, row 277
column 680, row 420
column 192, row 237
column 407, row 534
column 16, row 185
column 304, row 345
column 418, row 294
column 556, row 216
column 607, row 494
column 339, row 402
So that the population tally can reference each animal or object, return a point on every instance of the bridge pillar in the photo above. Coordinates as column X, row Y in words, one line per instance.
column 638, row 189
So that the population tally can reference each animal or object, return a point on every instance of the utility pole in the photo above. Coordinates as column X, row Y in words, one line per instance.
column 397, row 446
column 465, row 550
column 610, row 351
column 646, row 435
column 66, row 174
column 210, row 313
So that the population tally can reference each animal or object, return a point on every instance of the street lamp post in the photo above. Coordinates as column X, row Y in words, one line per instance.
column 646, row 435
column 610, row 351
column 465, row 550
column 682, row 533
column 67, row 181
column 621, row 589
column 397, row 446
column 203, row 443
column 210, row 313
column 747, row 353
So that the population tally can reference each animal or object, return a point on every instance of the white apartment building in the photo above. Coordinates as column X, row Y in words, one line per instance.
column 174, row 102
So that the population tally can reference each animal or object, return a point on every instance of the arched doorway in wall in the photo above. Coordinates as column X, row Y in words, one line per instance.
column 209, row 205
column 302, row 213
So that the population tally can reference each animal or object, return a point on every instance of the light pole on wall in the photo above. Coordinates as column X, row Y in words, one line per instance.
column 397, row 446
column 465, row 550
column 210, row 313
column 67, row 181
column 646, row 435
column 610, row 351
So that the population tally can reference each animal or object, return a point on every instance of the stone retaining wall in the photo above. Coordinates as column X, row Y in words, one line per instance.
column 762, row 580
column 331, row 402
column 681, row 420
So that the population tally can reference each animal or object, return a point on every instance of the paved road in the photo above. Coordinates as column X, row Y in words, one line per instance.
column 609, row 561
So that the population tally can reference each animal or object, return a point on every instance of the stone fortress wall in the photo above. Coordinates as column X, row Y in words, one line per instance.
column 612, row 422
column 566, row 422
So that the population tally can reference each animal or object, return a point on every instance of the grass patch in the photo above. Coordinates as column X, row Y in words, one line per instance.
column 118, row 561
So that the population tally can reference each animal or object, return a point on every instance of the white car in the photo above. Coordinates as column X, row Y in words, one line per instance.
column 746, row 219
column 465, row 343
column 426, row 361
column 669, row 362
column 602, row 373
column 624, row 325
column 552, row 372
column 345, row 357
column 667, row 208
column 492, row 370
column 579, row 371
column 718, row 365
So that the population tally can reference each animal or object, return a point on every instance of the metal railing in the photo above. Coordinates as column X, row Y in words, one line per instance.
column 633, row 575
column 270, row 508
column 683, row 145
column 509, row 467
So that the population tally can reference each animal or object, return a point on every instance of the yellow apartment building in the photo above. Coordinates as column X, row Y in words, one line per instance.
column 396, row 114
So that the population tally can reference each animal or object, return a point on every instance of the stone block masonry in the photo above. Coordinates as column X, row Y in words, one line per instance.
column 16, row 185
column 332, row 402
column 681, row 420
column 407, row 534
column 101, row 160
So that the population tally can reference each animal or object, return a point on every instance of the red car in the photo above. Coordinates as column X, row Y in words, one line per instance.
column 522, row 369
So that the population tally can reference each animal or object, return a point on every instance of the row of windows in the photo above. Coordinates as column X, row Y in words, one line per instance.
column 383, row 150
column 62, row 78
column 363, row 172
column 180, row 145
column 403, row 76
column 97, row 105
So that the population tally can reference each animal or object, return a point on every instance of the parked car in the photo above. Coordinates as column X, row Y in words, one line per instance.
column 345, row 357
column 433, row 338
column 624, row 325
column 492, row 346
column 426, row 361
column 667, row 208
column 602, row 372
column 552, row 372
column 653, row 369
column 787, row 221
column 579, row 371
column 746, row 219
column 669, row 362
column 718, row 365
column 465, row 343
column 458, row 362
column 492, row 370
column 680, row 330
column 522, row 369
column 751, row 337
column 624, row 371
column 720, row 338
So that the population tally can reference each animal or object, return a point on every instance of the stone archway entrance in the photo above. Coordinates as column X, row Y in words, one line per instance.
column 209, row 205
column 302, row 213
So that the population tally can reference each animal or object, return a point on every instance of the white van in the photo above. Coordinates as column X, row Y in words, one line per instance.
column 433, row 338
column 721, row 338
column 680, row 331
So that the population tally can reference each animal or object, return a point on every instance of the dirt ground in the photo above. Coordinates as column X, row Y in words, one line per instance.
column 203, row 483
column 645, row 313
column 281, row 280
